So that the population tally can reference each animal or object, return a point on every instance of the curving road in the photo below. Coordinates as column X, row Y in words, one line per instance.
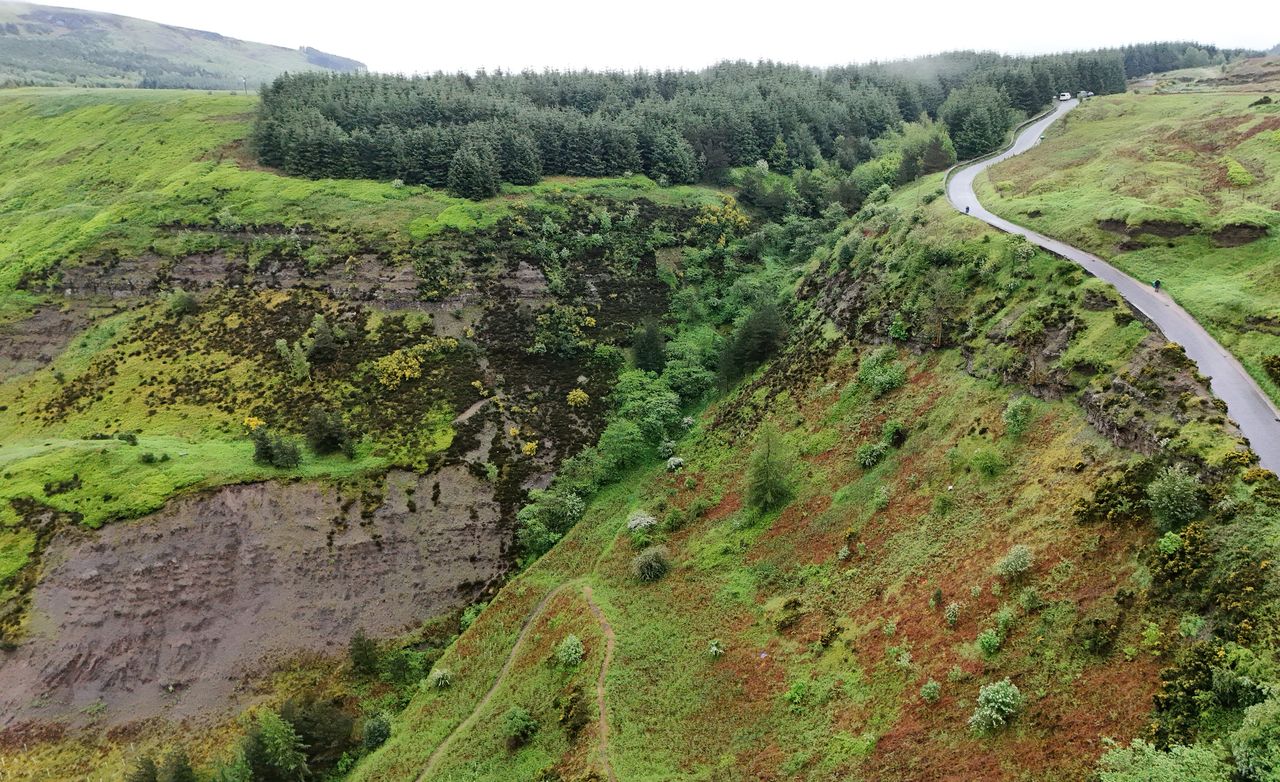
column 1247, row 405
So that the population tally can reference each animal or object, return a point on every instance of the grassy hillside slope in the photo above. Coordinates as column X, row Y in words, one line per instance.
column 43, row 45
column 847, row 635
column 1180, row 188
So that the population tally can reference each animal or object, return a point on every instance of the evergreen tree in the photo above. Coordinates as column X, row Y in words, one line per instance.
column 753, row 342
column 520, row 161
column 473, row 172
column 977, row 117
column 176, row 768
column 650, row 348
column 779, row 159
column 768, row 487
column 274, row 751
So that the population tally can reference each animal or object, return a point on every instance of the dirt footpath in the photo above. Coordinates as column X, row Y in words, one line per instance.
column 166, row 615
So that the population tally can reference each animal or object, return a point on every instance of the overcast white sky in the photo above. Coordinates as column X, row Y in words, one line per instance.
column 451, row 35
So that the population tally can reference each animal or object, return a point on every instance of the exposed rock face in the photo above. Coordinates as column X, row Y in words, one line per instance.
column 34, row 341
column 166, row 615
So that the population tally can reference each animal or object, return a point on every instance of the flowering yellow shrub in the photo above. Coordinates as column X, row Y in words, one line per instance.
column 406, row 363
column 529, row 448
column 253, row 422
column 395, row 368
column 577, row 398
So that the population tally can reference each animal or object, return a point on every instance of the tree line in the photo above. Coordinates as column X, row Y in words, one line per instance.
column 470, row 132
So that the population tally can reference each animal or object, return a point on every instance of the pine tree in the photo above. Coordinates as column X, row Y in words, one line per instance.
column 778, row 157
column 520, row 162
column 473, row 172
column 650, row 349
column 768, row 487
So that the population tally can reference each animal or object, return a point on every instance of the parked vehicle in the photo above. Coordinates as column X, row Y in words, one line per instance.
column 1065, row 96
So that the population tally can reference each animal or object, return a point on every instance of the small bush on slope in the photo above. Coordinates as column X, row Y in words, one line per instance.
column 569, row 652
column 1015, row 563
column 518, row 726
column 651, row 564
column 998, row 703
column 1174, row 498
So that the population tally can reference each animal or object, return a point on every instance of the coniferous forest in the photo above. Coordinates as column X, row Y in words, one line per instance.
column 472, row 132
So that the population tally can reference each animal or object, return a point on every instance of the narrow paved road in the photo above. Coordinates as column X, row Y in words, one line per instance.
column 1246, row 403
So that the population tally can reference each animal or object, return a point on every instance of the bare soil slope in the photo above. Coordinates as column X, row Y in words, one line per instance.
column 215, row 584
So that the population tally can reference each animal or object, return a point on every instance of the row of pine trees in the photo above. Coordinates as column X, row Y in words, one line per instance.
column 470, row 133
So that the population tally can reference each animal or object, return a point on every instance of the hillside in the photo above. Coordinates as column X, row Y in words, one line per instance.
column 846, row 631
column 44, row 45
column 799, row 476
column 1176, row 187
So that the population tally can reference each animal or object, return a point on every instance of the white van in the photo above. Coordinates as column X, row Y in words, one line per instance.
column 1065, row 96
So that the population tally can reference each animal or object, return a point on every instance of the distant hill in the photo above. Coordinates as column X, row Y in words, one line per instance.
column 49, row 46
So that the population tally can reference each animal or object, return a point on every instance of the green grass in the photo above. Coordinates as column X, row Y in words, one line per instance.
column 1202, row 160
column 106, row 479
column 83, row 174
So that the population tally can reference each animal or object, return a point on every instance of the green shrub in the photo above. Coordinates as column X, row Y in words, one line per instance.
column 952, row 614
column 987, row 463
column 1018, row 415
column 880, row 373
column 880, row 500
column 640, row 526
column 181, row 303
column 1237, row 174
column 1143, row 762
column 1005, row 620
column 327, row 433
column 651, row 564
column 1174, row 498
column 276, row 749
column 518, row 726
column 623, row 445
column 440, row 679
column 931, row 691
column 295, row 358
column 470, row 614
column 998, row 704
column 1016, row 562
column 1271, row 364
column 1255, row 745
column 989, row 641
column 363, row 652
column 377, row 729
column 569, row 652
column 893, row 433
column 870, row 454
column 715, row 649
column 274, row 450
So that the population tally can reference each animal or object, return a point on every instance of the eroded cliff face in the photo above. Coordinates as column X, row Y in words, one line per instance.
column 172, row 613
